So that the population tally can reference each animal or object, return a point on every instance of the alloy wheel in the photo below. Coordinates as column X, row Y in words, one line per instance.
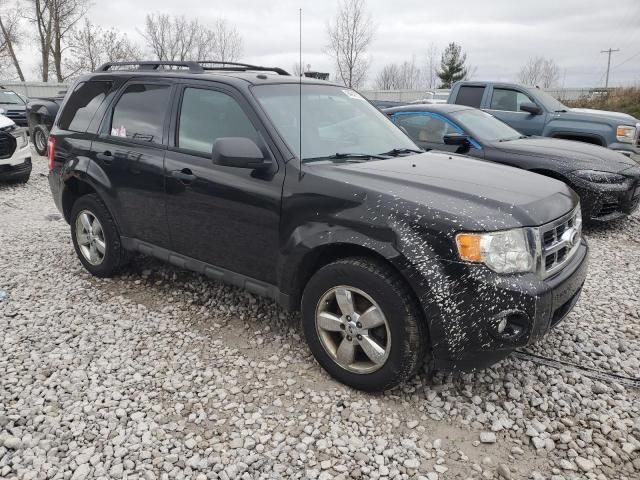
column 90, row 237
column 353, row 330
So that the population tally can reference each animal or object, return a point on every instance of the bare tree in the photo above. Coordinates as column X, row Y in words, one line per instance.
column 91, row 46
column 179, row 39
column 388, row 78
column 539, row 71
column 39, row 14
column 431, row 71
column 10, row 36
column 66, row 14
column 227, row 44
column 350, row 35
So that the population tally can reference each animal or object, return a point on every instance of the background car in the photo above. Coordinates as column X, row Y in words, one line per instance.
column 13, row 106
column 607, row 181
column 15, row 153
column 41, row 113
column 532, row 111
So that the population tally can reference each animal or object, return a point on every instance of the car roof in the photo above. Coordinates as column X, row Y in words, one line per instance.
column 443, row 108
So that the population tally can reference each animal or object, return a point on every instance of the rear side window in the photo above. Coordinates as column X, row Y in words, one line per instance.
column 83, row 104
column 507, row 100
column 207, row 115
column 140, row 112
column 470, row 96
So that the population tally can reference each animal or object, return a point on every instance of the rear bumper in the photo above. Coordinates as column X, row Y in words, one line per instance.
column 465, row 335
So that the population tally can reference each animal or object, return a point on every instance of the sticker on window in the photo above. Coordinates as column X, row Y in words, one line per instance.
column 352, row 94
column 119, row 132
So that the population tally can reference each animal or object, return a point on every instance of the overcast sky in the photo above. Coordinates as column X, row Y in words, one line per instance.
column 498, row 35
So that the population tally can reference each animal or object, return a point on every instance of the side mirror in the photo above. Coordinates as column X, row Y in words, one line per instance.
column 531, row 108
column 239, row 152
column 459, row 139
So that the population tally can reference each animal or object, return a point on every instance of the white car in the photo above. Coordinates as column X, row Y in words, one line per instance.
column 15, row 153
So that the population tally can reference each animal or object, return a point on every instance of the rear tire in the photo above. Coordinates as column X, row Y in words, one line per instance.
column 95, row 237
column 40, row 138
column 336, row 328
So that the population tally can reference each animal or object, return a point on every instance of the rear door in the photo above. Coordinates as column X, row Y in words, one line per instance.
column 129, row 151
column 224, row 216
column 505, row 105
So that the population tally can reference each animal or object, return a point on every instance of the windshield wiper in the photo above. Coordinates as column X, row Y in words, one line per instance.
column 346, row 156
column 399, row 151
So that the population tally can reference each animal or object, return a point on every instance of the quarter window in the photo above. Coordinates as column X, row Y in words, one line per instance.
column 507, row 100
column 83, row 104
column 140, row 112
column 206, row 115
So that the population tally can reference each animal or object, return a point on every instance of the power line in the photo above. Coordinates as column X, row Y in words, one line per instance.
column 610, row 51
column 625, row 61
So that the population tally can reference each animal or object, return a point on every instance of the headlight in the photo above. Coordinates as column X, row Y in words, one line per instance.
column 625, row 133
column 507, row 251
column 20, row 135
column 597, row 176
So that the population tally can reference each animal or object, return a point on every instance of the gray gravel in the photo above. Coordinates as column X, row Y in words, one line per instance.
column 162, row 374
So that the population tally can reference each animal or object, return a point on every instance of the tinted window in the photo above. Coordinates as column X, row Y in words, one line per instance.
column 82, row 105
column 507, row 100
column 140, row 112
column 207, row 115
column 470, row 96
column 425, row 128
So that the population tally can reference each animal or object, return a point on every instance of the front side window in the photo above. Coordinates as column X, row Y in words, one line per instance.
column 140, row 112
column 471, row 96
column 83, row 104
column 508, row 100
column 206, row 115
column 8, row 97
column 333, row 120
column 425, row 128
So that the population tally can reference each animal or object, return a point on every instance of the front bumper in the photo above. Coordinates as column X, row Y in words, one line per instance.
column 18, row 165
column 463, row 321
column 603, row 202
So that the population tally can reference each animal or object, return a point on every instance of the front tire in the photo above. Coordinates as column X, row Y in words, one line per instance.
column 363, row 324
column 96, row 238
column 40, row 138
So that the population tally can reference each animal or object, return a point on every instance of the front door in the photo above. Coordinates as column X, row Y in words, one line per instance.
column 505, row 105
column 130, row 151
column 224, row 216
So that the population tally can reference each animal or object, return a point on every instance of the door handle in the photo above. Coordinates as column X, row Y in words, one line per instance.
column 106, row 157
column 185, row 175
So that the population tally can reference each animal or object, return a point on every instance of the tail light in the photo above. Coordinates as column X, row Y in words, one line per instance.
column 51, row 151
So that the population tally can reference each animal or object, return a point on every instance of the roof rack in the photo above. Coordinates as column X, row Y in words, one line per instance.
column 191, row 66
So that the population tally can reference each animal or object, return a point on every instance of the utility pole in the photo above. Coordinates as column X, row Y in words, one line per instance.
column 610, row 51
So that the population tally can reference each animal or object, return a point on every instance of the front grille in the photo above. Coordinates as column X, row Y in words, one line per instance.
column 7, row 145
column 608, row 208
column 559, row 240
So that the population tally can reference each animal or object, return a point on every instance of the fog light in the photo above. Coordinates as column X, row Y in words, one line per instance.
column 502, row 325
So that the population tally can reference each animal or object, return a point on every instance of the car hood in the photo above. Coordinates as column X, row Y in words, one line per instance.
column 469, row 194
column 569, row 154
column 618, row 115
column 5, row 122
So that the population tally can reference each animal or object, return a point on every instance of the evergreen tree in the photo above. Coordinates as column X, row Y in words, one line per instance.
column 452, row 65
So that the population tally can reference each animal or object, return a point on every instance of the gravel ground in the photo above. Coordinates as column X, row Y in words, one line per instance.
column 161, row 373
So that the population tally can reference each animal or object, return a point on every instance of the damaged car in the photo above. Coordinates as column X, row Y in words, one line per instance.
column 607, row 181
column 302, row 191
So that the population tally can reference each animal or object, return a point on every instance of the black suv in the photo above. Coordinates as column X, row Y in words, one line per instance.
column 302, row 191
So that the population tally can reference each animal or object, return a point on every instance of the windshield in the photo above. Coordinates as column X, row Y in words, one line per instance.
column 485, row 127
column 549, row 102
column 10, row 98
column 334, row 120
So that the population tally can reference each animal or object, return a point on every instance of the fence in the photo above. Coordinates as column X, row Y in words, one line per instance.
column 35, row 89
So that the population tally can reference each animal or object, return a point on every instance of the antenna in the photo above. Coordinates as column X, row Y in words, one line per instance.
column 300, row 94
